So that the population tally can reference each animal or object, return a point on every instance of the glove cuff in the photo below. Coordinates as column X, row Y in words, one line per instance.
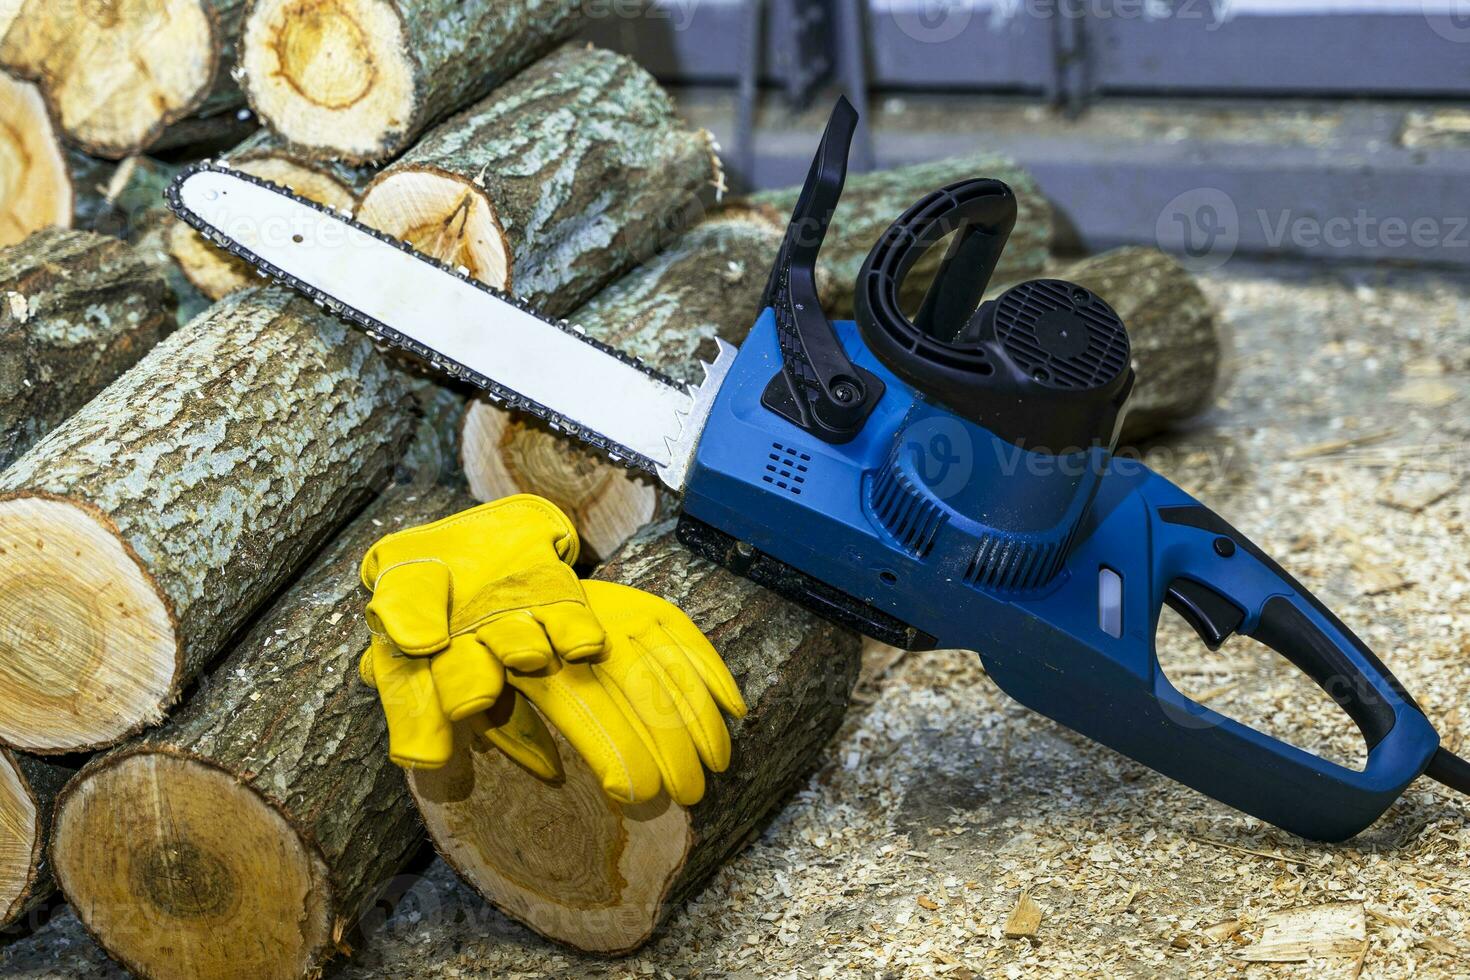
column 518, row 509
column 535, row 586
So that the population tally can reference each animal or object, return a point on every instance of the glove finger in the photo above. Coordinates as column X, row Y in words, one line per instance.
column 410, row 605
column 692, row 700
column 706, row 661
column 419, row 735
column 466, row 678
column 573, row 701
column 518, row 641
column 365, row 668
column 514, row 727
column 636, row 686
column 574, row 632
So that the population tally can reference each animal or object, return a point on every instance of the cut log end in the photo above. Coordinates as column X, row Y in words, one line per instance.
column 180, row 870
column 70, row 587
column 505, row 454
column 216, row 273
column 600, row 889
column 331, row 73
column 116, row 73
column 35, row 188
column 20, row 837
column 442, row 216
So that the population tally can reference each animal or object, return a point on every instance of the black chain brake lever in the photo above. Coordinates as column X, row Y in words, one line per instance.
column 818, row 388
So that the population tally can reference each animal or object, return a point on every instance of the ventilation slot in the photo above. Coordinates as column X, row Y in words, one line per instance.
column 1005, row 563
column 786, row 468
column 905, row 511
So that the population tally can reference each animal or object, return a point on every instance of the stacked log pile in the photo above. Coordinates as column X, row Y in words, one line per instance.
column 182, row 510
column 145, row 529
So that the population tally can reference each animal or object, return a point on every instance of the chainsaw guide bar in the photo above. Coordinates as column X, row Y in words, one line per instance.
column 680, row 443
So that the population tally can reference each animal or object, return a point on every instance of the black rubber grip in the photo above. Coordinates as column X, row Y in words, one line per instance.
column 1287, row 630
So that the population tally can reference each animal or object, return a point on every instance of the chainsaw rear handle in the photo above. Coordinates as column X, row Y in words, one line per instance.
column 1160, row 547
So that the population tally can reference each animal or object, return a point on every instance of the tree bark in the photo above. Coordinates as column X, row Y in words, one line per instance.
column 360, row 79
column 28, row 788
column 118, row 74
column 144, row 531
column 1173, row 326
column 706, row 285
column 871, row 202
column 76, row 310
column 569, row 174
column 216, row 273
column 246, row 836
column 583, row 870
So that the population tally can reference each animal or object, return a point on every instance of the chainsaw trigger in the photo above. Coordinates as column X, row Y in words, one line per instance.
column 1214, row 617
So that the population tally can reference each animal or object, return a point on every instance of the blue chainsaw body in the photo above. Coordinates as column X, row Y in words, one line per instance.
column 928, row 530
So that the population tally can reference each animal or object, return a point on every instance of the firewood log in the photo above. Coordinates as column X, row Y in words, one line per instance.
column 216, row 273
column 707, row 284
column 569, row 174
column 359, row 79
column 1174, row 328
column 117, row 74
column 28, row 788
column 247, row 835
column 599, row 876
column 76, row 310
column 37, row 190
column 141, row 533
column 870, row 203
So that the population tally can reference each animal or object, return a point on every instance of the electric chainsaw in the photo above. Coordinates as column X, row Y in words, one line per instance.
column 941, row 481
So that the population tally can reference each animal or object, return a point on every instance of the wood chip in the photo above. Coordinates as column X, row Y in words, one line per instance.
column 1336, row 930
column 1221, row 931
column 1414, row 491
column 1331, row 446
column 1024, row 919
column 1426, row 392
column 925, row 902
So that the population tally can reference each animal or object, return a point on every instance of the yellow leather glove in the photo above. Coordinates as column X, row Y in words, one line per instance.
column 643, row 713
column 454, row 602
column 658, row 681
column 667, row 678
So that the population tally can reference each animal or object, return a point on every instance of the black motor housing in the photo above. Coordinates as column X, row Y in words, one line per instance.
column 1046, row 366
